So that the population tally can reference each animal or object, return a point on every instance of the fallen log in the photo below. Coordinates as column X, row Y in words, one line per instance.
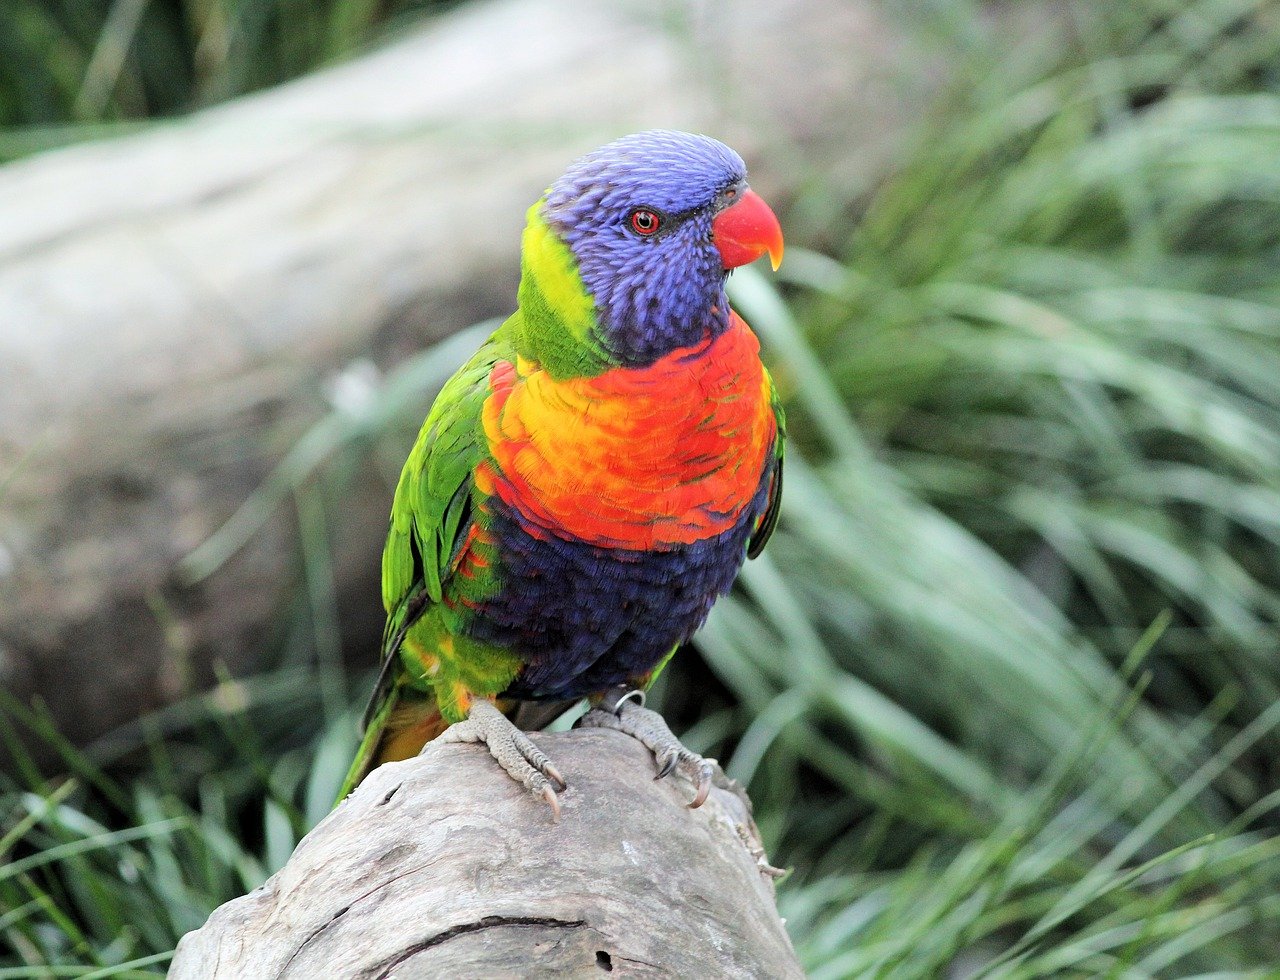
column 442, row 866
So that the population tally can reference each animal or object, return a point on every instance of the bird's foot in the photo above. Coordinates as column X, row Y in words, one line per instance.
column 523, row 761
column 624, row 711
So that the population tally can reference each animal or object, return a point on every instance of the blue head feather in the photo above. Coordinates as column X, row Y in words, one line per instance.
column 652, row 294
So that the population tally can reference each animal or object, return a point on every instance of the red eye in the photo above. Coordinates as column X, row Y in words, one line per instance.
column 644, row 221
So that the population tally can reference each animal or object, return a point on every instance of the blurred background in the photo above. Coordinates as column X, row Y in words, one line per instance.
column 1004, row 685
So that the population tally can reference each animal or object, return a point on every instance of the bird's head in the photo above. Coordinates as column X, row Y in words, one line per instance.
column 644, row 230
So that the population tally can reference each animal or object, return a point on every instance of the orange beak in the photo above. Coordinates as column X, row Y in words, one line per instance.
column 747, row 229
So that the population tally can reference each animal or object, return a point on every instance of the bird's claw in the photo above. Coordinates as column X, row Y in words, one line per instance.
column 553, row 801
column 705, row 775
column 694, row 768
column 624, row 711
column 666, row 764
column 512, row 749
column 553, row 774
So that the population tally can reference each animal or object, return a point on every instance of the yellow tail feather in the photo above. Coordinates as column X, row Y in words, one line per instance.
column 408, row 729
column 401, row 726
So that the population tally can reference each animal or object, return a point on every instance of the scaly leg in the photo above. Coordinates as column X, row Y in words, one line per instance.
column 523, row 761
column 624, row 711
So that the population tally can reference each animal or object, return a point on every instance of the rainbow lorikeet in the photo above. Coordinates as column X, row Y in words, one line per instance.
column 591, row 481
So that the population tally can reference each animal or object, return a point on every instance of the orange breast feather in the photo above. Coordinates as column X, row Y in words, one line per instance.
column 645, row 458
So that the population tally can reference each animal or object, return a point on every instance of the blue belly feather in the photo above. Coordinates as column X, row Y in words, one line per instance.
column 585, row 618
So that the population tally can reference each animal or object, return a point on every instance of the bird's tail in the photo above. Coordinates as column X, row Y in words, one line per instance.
column 404, row 722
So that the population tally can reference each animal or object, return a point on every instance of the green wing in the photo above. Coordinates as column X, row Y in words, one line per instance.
column 769, row 519
column 432, row 498
column 430, row 518
column 431, row 513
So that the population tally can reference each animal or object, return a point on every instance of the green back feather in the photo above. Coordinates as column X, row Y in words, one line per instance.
column 432, row 498
column 430, row 517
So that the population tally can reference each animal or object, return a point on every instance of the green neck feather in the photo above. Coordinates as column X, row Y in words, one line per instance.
column 557, row 326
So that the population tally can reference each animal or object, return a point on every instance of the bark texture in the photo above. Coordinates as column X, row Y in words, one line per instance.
column 179, row 306
column 441, row 866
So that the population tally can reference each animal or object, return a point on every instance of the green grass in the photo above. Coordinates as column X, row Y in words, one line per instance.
column 1004, row 687
column 78, row 69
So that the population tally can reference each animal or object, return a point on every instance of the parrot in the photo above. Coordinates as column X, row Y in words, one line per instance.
column 593, row 479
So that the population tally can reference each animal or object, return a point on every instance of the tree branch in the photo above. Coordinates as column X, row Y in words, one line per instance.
column 442, row 866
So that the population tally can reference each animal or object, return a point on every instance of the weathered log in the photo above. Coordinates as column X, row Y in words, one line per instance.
column 173, row 304
column 443, row 867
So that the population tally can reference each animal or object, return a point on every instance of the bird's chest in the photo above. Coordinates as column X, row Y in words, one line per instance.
column 650, row 458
